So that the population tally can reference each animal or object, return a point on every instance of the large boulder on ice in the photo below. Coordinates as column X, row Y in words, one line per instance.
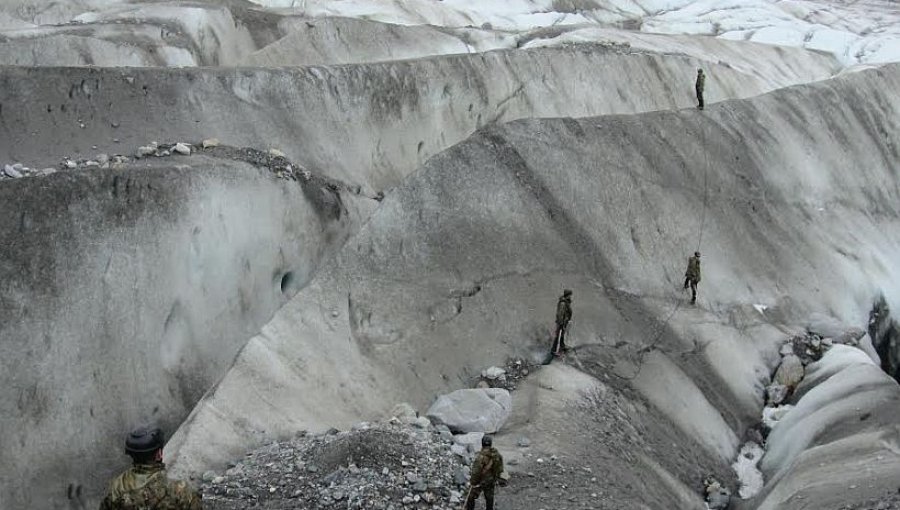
column 790, row 372
column 472, row 410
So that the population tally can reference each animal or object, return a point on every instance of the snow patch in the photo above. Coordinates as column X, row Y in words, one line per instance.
column 748, row 474
column 772, row 415
column 761, row 308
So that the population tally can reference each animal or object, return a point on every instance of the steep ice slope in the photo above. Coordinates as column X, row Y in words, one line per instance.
column 793, row 193
column 126, row 293
column 369, row 124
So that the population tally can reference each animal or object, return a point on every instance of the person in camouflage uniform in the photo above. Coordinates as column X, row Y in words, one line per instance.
column 698, row 86
column 692, row 275
column 563, row 316
column 146, row 486
column 485, row 473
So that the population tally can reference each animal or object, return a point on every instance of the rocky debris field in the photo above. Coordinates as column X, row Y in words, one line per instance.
column 507, row 377
column 272, row 159
column 889, row 502
column 374, row 466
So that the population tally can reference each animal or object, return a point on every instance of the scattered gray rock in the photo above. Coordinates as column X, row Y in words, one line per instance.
column 523, row 442
column 11, row 172
column 790, row 372
column 717, row 496
column 776, row 394
column 493, row 373
column 472, row 410
column 182, row 148
column 361, row 469
column 145, row 150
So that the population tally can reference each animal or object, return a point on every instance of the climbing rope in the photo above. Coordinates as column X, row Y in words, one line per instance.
column 705, row 183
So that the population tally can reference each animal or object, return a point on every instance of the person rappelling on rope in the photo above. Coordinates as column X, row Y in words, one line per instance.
column 701, row 82
column 692, row 275
column 563, row 316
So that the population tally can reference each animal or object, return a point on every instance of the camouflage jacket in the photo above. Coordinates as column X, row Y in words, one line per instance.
column 701, row 81
column 147, row 487
column 693, row 269
column 486, row 468
column 564, row 311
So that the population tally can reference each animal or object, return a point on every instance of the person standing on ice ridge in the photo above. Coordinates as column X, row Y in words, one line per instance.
column 563, row 316
column 698, row 86
column 692, row 275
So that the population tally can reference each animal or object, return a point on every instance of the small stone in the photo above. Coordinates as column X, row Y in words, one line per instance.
column 11, row 172
column 208, row 476
column 48, row 171
column 210, row 142
column 523, row 442
column 218, row 480
column 277, row 153
column 70, row 164
column 337, row 495
column 776, row 393
column 145, row 150
column 102, row 159
column 182, row 148
column 492, row 373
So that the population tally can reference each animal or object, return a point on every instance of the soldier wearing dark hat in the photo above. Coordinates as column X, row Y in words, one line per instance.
column 145, row 485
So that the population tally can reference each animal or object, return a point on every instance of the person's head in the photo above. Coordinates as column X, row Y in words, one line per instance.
column 567, row 293
column 699, row 71
column 487, row 441
column 145, row 445
column 697, row 254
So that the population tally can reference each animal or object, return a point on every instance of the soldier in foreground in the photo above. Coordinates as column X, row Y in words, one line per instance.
column 485, row 473
column 701, row 81
column 145, row 485
column 563, row 316
column 692, row 275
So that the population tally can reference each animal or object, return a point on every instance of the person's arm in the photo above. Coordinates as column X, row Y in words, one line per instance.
column 475, row 471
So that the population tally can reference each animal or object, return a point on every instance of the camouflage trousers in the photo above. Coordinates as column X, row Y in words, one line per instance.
column 559, row 339
column 693, row 283
column 476, row 491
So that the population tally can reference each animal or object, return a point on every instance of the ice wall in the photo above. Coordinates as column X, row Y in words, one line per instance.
column 126, row 293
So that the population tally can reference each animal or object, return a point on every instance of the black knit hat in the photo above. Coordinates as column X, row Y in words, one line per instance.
column 144, row 440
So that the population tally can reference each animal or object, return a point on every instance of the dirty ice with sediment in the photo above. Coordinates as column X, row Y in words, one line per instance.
column 320, row 243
